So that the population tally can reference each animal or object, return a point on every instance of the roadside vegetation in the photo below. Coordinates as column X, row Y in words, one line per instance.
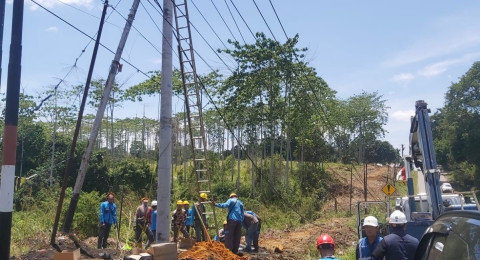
column 277, row 136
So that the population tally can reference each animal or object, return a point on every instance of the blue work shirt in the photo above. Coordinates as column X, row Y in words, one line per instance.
column 189, row 219
column 108, row 213
column 235, row 209
column 364, row 249
column 251, row 213
column 153, row 225
column 328, row 257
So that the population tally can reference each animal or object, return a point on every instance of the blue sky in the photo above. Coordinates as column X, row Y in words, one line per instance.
column 404, row 50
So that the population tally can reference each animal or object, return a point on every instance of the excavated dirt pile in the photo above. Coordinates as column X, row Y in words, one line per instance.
column 209, row 251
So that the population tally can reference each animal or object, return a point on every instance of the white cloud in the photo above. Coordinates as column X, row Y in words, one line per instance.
column 52, row 29
column 434, row 69
column 431, row 48
column 52, row 3
column 403, row 115
column 157, row 61
column 440, row 67
column 403, row 77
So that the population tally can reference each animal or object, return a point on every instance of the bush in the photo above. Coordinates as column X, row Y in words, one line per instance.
column 85, row 222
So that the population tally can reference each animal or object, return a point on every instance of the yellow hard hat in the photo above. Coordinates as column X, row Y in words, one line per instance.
column 203, row 195
column 186, row 202
column 179, row 202
column 224, row 222
column 233, row 195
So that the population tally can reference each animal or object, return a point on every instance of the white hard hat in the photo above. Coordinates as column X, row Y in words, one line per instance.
column 370, row 221
column 397, row 217
column 154, row 203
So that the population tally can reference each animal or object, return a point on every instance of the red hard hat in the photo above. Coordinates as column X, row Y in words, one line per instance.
column 325, row 239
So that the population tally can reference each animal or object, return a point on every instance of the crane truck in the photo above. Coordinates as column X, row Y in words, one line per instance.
column 421, row 209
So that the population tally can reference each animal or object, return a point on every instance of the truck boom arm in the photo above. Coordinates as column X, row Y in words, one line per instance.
column 423, row 155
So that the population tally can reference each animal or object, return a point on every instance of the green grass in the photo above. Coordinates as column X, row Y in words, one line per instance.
column 29, row 228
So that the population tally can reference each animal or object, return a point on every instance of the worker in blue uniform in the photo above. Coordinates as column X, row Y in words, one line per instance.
column 235, row 217
column 367, row 244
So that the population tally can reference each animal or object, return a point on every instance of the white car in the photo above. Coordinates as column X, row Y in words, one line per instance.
column 446, row 187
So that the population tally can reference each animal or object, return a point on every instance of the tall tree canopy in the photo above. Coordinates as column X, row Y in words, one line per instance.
column 455, row 128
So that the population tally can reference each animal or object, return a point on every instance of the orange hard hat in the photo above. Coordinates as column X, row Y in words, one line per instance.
column 325, row 239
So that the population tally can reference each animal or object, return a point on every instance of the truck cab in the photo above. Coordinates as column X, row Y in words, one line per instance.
column 454, row 235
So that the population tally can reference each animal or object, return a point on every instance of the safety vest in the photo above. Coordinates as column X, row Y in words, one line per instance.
column 365, row 250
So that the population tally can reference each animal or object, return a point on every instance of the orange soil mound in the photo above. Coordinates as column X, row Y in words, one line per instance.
column 209, row 251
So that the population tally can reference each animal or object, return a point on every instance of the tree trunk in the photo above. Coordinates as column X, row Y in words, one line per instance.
column 233, row 156
column 280, row 157
column 238, row 157
column 272, row 150
column 287, row 160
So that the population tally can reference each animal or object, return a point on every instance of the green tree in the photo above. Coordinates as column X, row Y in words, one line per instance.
column 455, row 129
column 382, row 152
column 368, row 116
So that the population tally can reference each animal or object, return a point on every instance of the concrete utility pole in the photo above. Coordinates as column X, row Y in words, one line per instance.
column 98, row 120
column 10, row 131
column 165, row 143
column 73, row 145
column 2, row 22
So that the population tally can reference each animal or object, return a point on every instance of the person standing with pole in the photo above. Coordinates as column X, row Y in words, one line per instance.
column 197, row 213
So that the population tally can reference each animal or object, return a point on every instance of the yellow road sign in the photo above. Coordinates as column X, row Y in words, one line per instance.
column 388, row 189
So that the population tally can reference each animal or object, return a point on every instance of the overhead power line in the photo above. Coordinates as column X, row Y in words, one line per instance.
column 235, row 21
column 138, row 31
column 209, row 25
column 278, row 19
column 243, row 19
column 261, row 14
column 87, row 13
column 221, row 16
column 203, row 37
column 91, row 38
column 76, row 60
column 156, row 25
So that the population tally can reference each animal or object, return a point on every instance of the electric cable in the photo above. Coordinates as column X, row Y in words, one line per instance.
column 281, row 25
column 74, row 64
column 90, row 37
column 255, row 37
column 209, row 25
column 201, row 35
column 87, row 13
column 261, row 14
column 143, row 36
column 221, row 16
column 156, row 25
column 235, row 21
